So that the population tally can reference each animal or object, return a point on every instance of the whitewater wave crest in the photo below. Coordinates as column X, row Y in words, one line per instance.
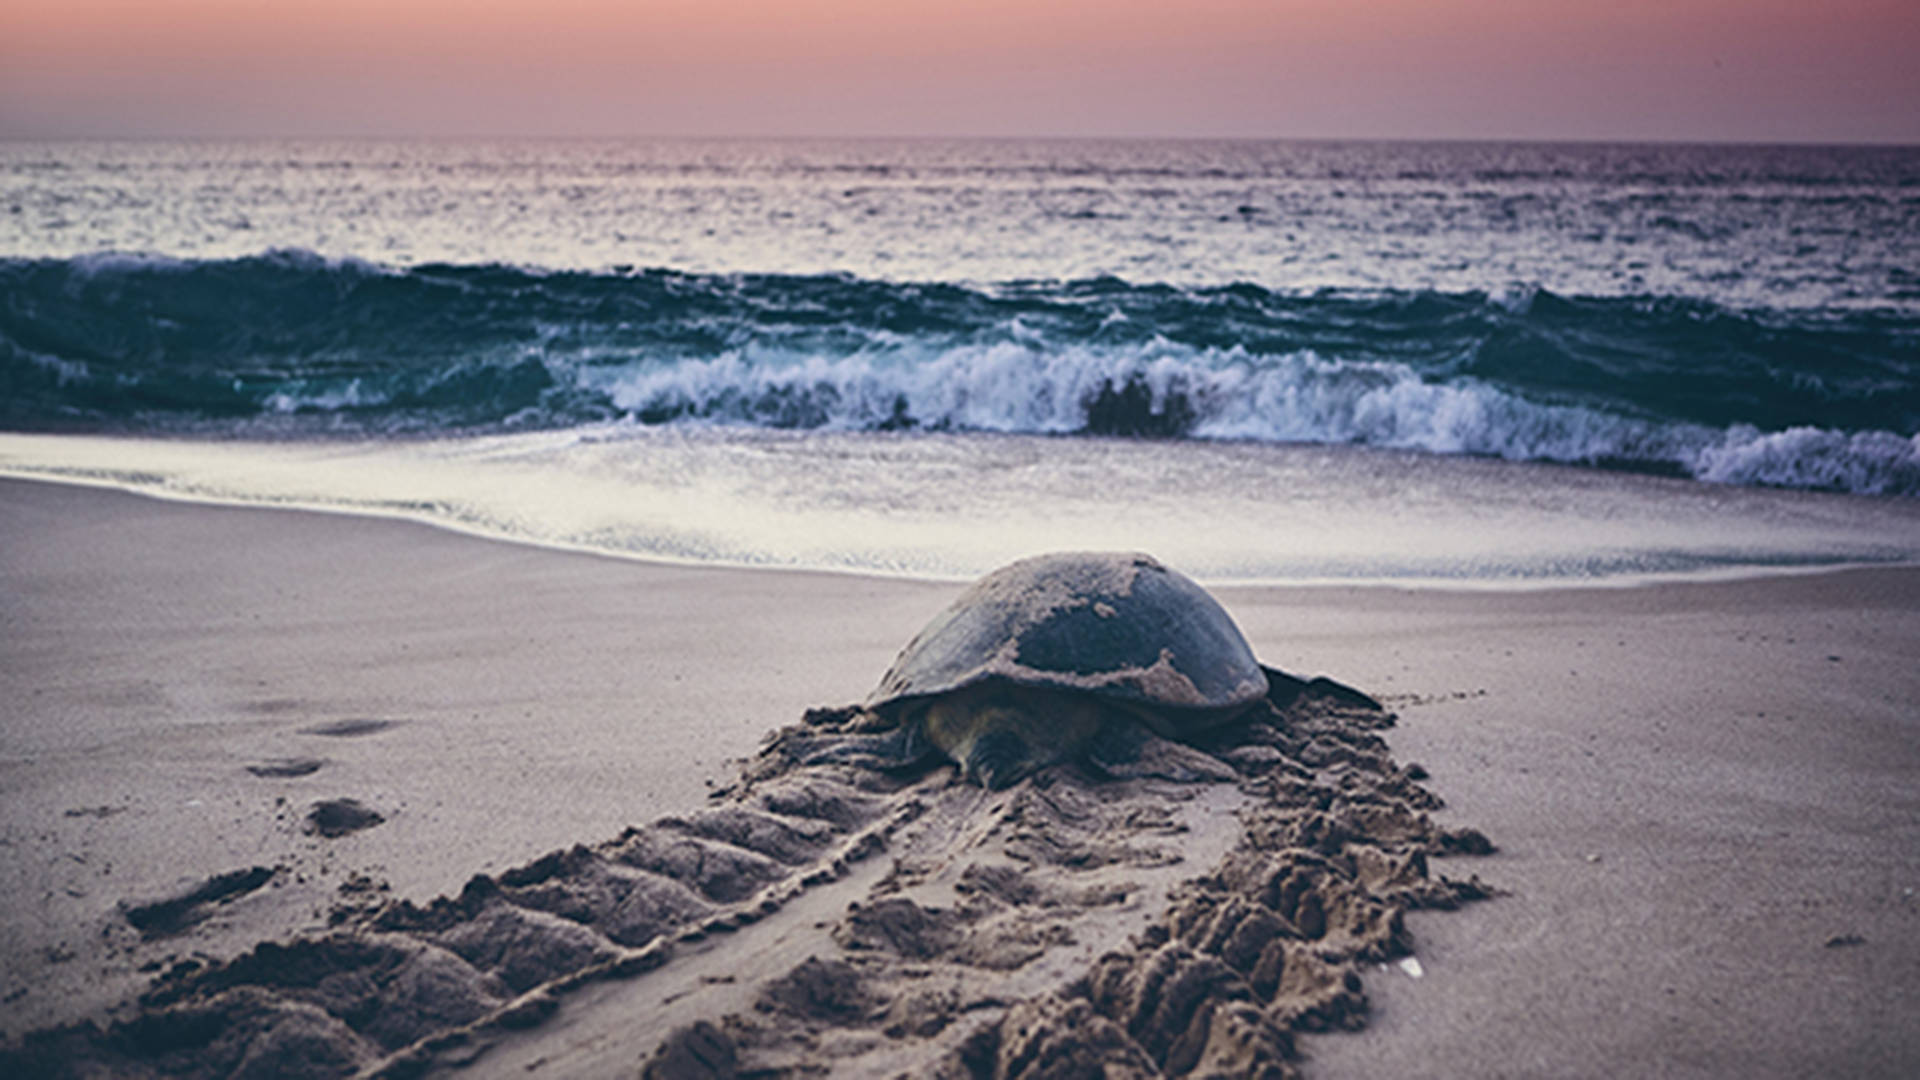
column 1167, row 391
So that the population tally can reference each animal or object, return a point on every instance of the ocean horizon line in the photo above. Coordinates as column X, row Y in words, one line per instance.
column 1810, row 142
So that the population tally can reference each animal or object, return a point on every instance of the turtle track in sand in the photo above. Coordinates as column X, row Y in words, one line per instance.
column 829, row 918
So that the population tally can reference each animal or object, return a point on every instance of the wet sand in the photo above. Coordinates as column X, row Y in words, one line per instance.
column 226, row 726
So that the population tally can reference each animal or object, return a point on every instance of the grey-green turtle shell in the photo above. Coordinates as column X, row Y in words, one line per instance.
column 1117, row 625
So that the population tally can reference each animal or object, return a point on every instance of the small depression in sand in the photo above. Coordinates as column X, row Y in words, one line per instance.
column 280, row 768
column 177, row 911
column 824, row 915
column 334, row 818
column 346, row 729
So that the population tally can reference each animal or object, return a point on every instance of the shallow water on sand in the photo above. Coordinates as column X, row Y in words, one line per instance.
column 954, row 506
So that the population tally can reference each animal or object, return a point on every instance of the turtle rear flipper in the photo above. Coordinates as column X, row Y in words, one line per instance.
column 1126, row 748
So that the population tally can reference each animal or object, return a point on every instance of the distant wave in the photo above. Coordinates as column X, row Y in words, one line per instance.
column 289, row 343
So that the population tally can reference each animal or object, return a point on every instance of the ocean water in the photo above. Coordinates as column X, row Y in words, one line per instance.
column 1265, row 361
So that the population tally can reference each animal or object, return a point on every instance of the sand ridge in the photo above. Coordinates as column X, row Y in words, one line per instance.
column 906, row 920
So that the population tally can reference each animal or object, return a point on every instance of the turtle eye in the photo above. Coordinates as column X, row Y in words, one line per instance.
column 999, row 759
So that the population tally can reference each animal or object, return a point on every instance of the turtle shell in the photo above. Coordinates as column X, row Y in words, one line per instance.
column 1118, row 625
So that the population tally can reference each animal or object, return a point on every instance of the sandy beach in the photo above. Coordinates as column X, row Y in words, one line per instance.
column 1703, row 795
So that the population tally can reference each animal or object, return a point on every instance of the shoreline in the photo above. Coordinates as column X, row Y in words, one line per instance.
column 1695, row 787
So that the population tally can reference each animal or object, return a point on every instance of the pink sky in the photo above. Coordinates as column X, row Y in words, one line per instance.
column 1759, row 70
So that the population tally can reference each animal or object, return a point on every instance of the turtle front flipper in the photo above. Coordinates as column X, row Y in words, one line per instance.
column 902, row 748
column 1125, row 748
column 1284, row 689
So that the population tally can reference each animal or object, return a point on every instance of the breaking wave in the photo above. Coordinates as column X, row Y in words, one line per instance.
column 288, row 343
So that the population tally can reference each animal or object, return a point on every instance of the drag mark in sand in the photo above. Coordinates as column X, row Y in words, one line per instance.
column 1062, row 923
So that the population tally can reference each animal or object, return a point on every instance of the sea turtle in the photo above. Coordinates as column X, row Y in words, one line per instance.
column 1094, row 655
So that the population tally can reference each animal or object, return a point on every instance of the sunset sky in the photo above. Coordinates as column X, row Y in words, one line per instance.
column 1749, row 70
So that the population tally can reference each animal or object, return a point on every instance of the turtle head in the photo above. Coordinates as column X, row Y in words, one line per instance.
column 999, row 759
column 999, row 733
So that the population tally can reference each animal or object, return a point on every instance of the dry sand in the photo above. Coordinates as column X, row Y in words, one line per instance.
column 225, row 726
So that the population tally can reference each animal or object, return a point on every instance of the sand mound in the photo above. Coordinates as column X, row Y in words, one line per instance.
column 1069, row 922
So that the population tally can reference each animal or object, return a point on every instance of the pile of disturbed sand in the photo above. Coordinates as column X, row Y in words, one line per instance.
column 831, row 918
